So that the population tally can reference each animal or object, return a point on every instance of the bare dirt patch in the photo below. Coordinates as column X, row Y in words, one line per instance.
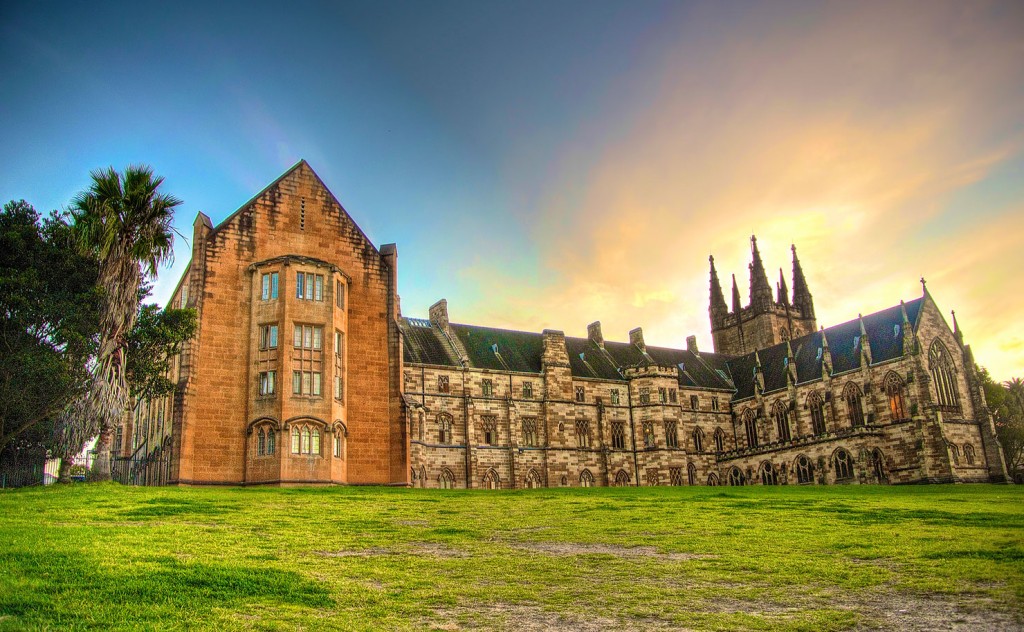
column 370, row 552
column 573, row 548
column 531, row 618
column 916, row 613
column 438, row 550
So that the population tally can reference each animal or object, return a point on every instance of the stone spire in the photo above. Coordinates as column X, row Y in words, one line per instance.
column 959, row 335
column 826, row 356
column 760, row 291
column 909, row 340
column 865, row 344
column 783, row 290
column 801, row 295
column 737, row 305
column 718, row 307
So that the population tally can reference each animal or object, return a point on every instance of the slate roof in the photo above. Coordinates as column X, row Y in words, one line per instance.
column 885, row 335
column 521, row 351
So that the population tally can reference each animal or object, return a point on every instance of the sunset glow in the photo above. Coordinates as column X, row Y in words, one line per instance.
column 547, row 166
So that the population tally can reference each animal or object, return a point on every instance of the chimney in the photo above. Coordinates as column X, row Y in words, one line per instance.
column 636, row 337
column 438, row 314
column 594, row 333
column 691, row 345
column 554, row 353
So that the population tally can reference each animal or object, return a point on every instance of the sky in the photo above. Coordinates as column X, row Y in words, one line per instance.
column 549, row 164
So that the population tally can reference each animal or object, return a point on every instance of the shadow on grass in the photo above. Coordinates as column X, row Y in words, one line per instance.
column 167, row 507
column 70, row 589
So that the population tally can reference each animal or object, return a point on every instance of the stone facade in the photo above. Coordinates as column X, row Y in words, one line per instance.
column 890, row 397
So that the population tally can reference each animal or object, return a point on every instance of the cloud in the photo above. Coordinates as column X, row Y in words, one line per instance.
column 847, row 129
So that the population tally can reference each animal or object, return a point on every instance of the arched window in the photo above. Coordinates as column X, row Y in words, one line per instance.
column 423, row 476
column 491, row 480
column 261, row 443
column 783, row 334
column 532, row 479
column 769, row 475
column 940, row 364
column 969, row 453
column 854, row 404
column 691, row 474
column 736, row 477
column 698, row 440
column 817, row 408
column 750, row 424
column 586, row 479
column 719, row 440
column 671, row 434
column 780, row 411
column 894, row 391
column 271, row 441
column 842, row 463
column 314, row 447
column 565, row 481
column 583, row 433
column 712, row 480
column 954, row 451
column 337, row 442
column 878, row 463
column 446, row 480
column 423, row 424
column 490, row 423
column 804, row 470
column 444, row 428
column 621, row 478
column 305, row 439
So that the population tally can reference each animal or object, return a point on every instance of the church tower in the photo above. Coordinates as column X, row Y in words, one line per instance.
column 767, row 319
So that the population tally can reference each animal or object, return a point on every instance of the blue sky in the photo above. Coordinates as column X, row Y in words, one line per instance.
column 551, row 164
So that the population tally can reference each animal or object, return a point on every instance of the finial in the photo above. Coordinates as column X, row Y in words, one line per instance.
column 924, row 285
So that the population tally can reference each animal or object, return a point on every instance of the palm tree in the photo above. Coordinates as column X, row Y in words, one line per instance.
column 125, row 224
column 1015, row 387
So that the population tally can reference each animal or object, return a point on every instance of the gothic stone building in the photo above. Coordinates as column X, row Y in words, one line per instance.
column 304, row 371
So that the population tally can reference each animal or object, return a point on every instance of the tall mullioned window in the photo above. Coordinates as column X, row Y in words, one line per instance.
column 268, row 337
column 941, row 366
column 645, row 395
column 527, row 390
column 487, row 387
column 781, row 413
column 490, row 424
column 671, row 434
column 894, row 392
column 444, row 428
column 583, row 433
column 854, row 404
column 842, row 463
column 268, row 289
column 615, row 397
column 719, row 440
column 581, row 394
column 817, row 408
column 267, row 382
column 530, row 432
column 309, row 286
column 750, row 424
column 618, row 435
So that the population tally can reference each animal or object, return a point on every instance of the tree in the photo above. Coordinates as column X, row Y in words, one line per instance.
column 124, row 222
column 1006, row 401
column 49, row 305
column 157, row 337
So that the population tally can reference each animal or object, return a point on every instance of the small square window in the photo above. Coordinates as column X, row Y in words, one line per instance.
column 443, row 385
column 615, row 397
column 673, row 396
column 662, row 395
column 527, row 390
column 694, row 402
column 580, row 394
column 645, row 395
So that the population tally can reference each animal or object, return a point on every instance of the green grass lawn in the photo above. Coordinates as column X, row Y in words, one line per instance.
column 808, row 558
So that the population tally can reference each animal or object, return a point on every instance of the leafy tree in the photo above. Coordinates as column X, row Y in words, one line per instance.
column 124, row 222
column 1006, row 401
column 49, row 306
column 158, row 336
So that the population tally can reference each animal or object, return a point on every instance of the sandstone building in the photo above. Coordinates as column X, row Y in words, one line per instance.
column 304, row 371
